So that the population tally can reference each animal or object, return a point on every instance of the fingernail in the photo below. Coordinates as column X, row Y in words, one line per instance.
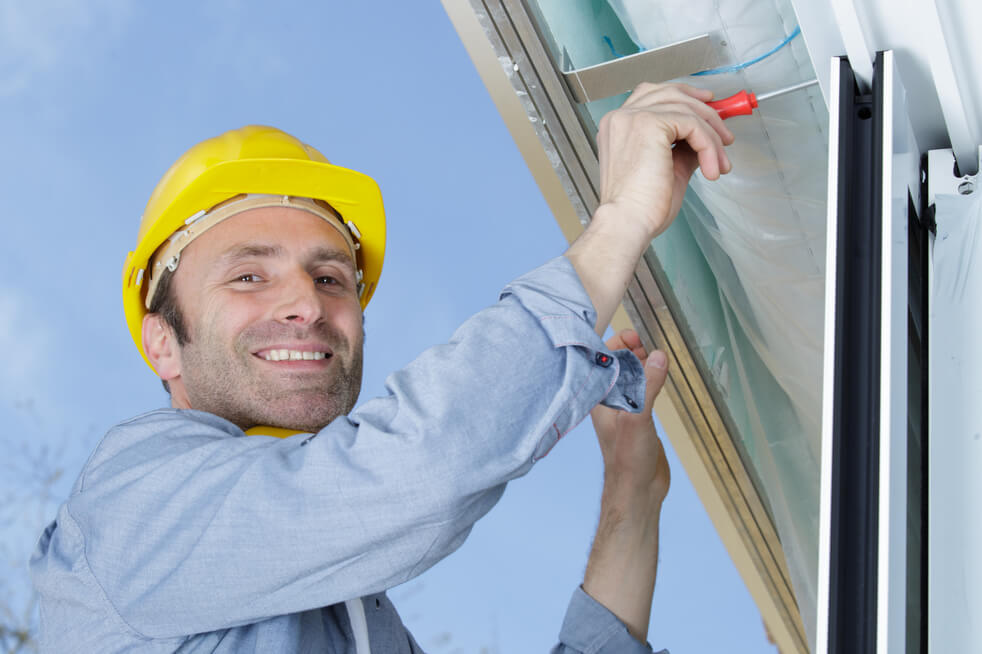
column 657, row 359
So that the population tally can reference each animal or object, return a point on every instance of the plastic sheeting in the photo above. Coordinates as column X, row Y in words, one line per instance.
column 762, row 232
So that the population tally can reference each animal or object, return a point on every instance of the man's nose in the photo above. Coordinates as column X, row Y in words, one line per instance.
column 299, row 303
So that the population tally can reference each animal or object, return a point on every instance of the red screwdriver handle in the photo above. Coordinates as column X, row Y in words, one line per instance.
column 738, row 104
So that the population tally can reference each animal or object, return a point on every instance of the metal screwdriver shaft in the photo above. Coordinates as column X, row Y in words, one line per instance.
column 789, row 89
column 744, row 102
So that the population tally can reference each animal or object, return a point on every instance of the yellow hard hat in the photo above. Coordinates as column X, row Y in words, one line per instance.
column 253, row 160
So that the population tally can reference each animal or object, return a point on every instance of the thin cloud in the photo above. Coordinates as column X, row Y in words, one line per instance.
column 37, row 37
column 24, row 343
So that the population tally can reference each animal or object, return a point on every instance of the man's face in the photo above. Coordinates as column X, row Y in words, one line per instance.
column 270, row 299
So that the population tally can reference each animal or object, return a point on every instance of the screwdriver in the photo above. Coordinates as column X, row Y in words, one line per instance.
column 744, row 103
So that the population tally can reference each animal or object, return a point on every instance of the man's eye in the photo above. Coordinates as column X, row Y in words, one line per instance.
column 327, row 280
column 247, row 277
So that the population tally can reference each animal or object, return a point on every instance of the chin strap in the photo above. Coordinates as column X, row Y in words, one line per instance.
column 277, row 432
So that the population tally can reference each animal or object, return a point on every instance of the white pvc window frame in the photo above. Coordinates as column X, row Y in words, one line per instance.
column 874, row 178
column 955, row 417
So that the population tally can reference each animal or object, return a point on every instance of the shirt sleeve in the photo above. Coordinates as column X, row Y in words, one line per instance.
column 187, row 525
column 589, row 628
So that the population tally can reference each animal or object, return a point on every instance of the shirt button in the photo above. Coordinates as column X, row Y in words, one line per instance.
column 604, row 360
column 631, row 403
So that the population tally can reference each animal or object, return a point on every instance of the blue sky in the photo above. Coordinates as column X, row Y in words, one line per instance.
column 98, row 97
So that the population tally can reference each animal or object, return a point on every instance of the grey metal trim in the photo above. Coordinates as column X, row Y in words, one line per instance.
column 659, row 320
column 656, row 65
column 650, row 301
column 557, row 123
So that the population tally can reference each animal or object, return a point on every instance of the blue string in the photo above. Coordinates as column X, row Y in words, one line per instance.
column 734, row 68
column 610, row 44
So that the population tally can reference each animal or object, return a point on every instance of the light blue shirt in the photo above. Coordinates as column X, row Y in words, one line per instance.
column 183, row 535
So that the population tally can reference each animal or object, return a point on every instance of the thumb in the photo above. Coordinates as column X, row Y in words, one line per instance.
column 655, row 374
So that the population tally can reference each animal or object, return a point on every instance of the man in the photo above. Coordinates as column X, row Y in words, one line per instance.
column 261, row 513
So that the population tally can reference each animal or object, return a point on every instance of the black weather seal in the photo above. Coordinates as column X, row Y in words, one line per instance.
column 856, row 402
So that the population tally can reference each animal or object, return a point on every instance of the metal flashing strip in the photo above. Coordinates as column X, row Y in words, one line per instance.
column 654, row 311
column 656, row 65
column 559, row 150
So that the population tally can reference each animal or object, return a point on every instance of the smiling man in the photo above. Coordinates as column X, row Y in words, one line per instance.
column 272, row 293
column 262, row 512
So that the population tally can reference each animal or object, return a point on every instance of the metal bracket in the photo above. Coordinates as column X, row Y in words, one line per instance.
column 623, row 74
column 941, row 178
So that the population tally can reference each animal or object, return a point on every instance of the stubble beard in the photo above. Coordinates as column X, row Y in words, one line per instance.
column 234, row 384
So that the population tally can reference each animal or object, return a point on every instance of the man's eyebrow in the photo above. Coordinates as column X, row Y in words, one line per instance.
column 262, row 250
column 323, row 254
column 249, row 251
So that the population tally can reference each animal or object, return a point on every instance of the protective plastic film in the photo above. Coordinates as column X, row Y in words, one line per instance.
column 762, row 233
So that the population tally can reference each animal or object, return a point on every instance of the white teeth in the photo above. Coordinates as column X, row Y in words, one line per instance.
column 293, row 355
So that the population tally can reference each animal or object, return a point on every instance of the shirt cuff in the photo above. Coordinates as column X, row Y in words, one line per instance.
column 554, row 294
column 590, row 628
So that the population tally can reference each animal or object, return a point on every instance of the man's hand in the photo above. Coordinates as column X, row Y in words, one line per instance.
column 648, row 150
column 623, row 561
column 634, row 458
column 650, row 146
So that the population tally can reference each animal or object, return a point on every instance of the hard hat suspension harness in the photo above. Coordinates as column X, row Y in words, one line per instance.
column 168, row 257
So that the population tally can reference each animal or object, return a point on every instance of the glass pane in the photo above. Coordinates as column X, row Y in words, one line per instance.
column 744, row 262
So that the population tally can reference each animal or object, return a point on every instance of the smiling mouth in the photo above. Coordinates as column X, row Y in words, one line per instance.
column 292, row 355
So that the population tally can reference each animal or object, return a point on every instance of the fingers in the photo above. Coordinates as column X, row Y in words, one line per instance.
column 690, row 119
column 627, row 339
column 616, row 342
column 686, row 162
column 655, row 373
column 643, row 93
column 648, row 95
column 630, row 339
column 706, row 143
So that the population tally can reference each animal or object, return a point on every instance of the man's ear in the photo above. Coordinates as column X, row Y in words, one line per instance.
column 161, row 346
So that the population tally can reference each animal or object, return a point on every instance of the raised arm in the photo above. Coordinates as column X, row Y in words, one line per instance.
column 609, row 614
column 623, row 562
column 648, row 150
